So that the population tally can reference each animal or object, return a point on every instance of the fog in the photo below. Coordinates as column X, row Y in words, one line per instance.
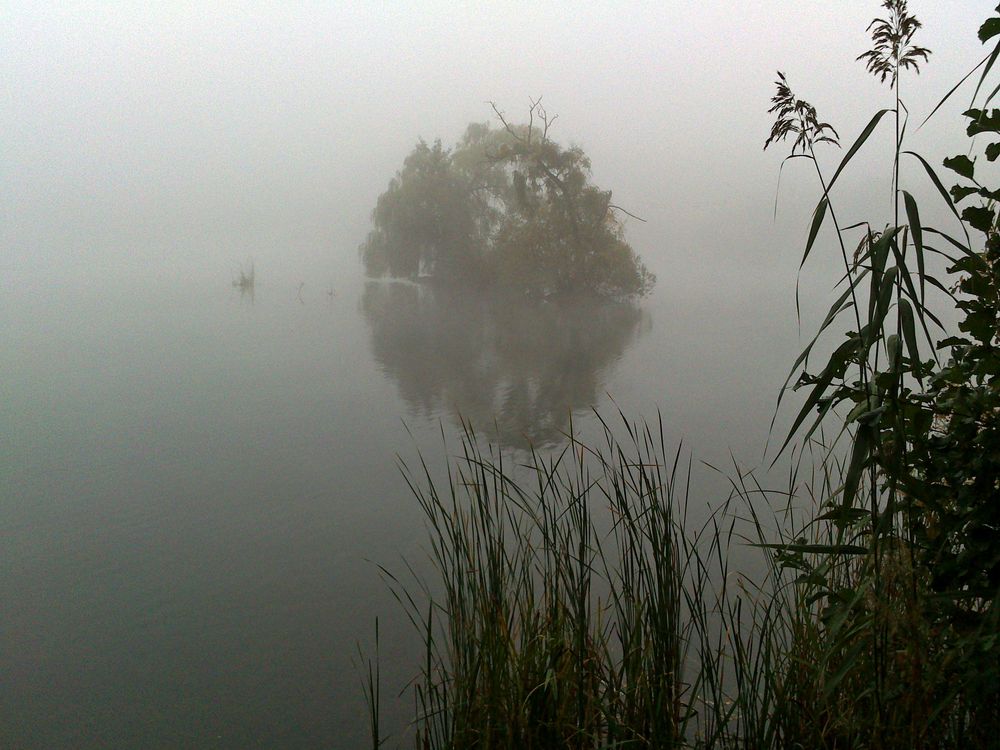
column 181, row 136
column 196, row 484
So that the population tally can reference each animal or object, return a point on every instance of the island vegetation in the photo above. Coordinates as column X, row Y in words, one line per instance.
column 576, row 607
column 506, row 207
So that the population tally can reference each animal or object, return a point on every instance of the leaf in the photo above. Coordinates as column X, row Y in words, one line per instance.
column 856, row 145
column 836, row 365
column 777, row 186
column 878, row 256
column 811, row 401
column 817, row 222
column 844, row 516
column 906, row 277
column 961, row 164
column 989, row 29
column 944, row 194
column 836, row 308
column 830, row 549
column 894, row 350
column 909, row 330
column 850, row 658
column 884, row 301
column 954, row 88
column 862, row 409
column 934, row 282
column 953, row 242
column 835, row 368
column 986, row 71
column 953, row 341
column 983, row 121
column 992, row 151
column 960, row 193
column 993, row 93
column 859, row 457
column 872, row 416
column 979, row 217
column 913, row 217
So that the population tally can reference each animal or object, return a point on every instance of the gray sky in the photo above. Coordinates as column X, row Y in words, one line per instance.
column 194, row 135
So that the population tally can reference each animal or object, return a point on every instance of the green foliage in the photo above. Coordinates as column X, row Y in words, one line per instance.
column 424, row 221
column 954, row 473
column 911, row 613
column 507, row 206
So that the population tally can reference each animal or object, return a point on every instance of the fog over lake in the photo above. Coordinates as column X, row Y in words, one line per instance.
column 198, row 482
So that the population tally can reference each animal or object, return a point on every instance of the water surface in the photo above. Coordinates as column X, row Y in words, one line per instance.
column 197, row 484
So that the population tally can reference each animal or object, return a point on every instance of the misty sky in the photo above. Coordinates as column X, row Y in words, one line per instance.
column 143, row 136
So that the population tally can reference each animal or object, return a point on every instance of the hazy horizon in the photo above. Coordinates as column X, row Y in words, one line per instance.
column 174, row 135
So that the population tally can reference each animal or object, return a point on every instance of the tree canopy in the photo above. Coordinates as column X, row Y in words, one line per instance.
column 506, row 206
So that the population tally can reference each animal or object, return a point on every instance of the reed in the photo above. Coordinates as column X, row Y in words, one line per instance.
column 572, row 604
column 575, row 605
column 884, row 637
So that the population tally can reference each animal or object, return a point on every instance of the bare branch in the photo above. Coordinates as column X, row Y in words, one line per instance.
column 548, row 122
column 531, row 118
column 531, row 114
column 507, row 126
column 627, row 213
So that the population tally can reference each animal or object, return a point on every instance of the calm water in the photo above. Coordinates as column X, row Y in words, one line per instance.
column 196, row 485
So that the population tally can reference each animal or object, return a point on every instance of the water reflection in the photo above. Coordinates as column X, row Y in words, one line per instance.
column 511, row 366
column 247, row 295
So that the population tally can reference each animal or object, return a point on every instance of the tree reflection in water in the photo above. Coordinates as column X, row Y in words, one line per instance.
column 511, row 366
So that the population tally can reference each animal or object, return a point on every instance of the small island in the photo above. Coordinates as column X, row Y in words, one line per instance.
column 505, row 208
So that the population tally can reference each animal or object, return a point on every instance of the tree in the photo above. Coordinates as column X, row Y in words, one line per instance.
column 508, row 207
column 423, row 224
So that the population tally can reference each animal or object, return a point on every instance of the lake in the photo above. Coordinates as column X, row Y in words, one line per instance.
column 198, row 485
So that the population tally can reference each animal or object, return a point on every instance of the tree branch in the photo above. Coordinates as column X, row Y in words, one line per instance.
column 507, row 126
column 628, row 213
